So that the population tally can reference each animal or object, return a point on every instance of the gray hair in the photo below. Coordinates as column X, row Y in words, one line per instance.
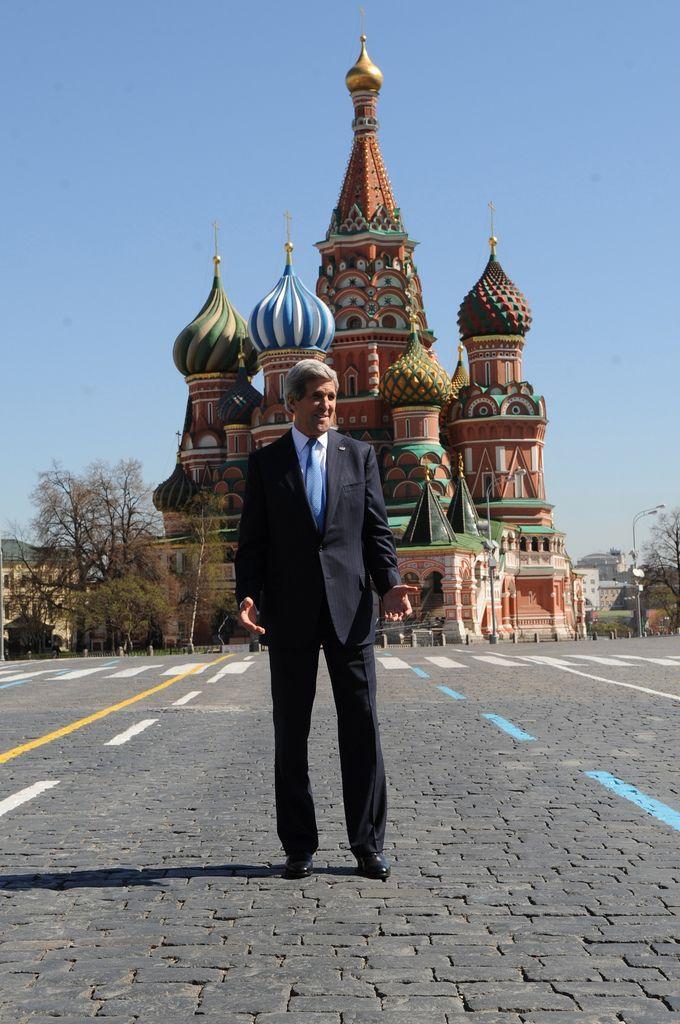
column 295, row 384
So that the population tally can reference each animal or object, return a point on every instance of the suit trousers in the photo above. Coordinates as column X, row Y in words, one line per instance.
column 353, row 679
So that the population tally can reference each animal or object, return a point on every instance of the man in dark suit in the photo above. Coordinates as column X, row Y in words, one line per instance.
column 313, row 534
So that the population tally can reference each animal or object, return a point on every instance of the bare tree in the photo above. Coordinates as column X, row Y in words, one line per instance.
column 203, row 590
column 93, row 528
column 662, row 564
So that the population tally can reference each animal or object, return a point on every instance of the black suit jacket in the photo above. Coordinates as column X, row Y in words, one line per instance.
column 287, row 565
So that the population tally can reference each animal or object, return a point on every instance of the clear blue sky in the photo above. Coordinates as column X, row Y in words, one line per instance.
column 129, row 127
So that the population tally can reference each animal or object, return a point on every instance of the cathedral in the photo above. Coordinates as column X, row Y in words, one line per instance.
column 461, row 457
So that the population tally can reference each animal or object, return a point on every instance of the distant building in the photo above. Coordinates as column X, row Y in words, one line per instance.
column 591, row 586
column 33, row 615
column 611, row 564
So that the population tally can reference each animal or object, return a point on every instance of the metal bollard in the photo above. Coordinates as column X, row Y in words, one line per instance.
column 514, row 638
column 443, row 640
column 86, row 652
column 537, row 638
column 149, row 650
column 121, row 652
column 414, row 640
column 594, row 636
column 383, row 640
column 612, row 636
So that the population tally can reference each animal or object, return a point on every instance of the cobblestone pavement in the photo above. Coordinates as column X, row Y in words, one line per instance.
column 142, row 885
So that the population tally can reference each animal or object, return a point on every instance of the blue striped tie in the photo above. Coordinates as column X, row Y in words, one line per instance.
column 314, row 481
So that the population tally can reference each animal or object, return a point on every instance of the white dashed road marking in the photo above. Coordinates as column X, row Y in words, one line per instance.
column 393, row 663
column 10, row 802
column 186, row 698
column 601, row 661
column 441, row 661
column 134, row 730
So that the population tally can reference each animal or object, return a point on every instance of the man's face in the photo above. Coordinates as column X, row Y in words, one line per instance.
column 313, row 414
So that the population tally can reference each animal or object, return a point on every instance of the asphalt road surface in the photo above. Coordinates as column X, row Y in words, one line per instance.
column 533, row 829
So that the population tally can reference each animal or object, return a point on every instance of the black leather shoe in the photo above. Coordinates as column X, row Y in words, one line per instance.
column 373, row 865
column 298, row 865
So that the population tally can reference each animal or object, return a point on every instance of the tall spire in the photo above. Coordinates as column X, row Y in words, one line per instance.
column 366, row 199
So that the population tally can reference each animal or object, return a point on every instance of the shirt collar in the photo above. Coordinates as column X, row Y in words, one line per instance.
column 300, row 439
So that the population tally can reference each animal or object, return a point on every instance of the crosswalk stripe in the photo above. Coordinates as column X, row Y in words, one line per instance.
column 25, row 675
column 10, row 802
column 127, row 673
column 441, row 661
column 183, row 668
column 134, row 730
column 500, row 662
column 654, row 661
column 186, row 698
column 601, row 661
column 544, row 659
column 393, row 663
column 77, row 673
column 233, row 668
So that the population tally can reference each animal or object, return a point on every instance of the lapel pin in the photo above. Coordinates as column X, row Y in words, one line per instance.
column 341, row 448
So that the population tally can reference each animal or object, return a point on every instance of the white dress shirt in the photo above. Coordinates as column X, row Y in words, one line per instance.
column 300, row 441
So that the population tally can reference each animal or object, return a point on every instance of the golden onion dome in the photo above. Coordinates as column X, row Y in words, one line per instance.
column 415, row 378
column 364, row 74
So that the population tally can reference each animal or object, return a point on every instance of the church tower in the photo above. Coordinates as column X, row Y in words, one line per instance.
column 366, row 267
column 498, row 423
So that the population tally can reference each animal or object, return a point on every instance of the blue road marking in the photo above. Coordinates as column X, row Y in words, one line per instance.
column 503, row 723
column 17, row 682
column 419, row 672
column 629, row 792
column 451, row 693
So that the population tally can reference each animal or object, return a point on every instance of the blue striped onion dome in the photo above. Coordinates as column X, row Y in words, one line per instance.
column 212, row 341
column 291, row 316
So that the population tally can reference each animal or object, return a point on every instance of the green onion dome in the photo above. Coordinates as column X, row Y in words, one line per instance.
column 175, row 492
column 494, row 305
column 211, row 342
column 415, row 378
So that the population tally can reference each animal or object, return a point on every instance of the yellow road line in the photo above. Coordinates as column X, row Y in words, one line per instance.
column 66, row 729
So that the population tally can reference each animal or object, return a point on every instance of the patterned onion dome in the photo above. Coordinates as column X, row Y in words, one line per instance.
column 494, row 305
column 175, row 492
column 240, row 401
column 290, row 316
column 364, row 74
column 415, row 378
column 211, row 342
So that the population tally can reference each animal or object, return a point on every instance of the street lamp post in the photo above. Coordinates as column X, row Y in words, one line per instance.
column 640, row 515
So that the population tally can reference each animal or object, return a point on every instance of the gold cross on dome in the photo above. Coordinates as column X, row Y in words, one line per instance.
column 362, row 20
column 288, row 219
column 493, row 241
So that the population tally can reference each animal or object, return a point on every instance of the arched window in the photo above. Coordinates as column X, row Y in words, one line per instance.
column 389, row 321
column 210, row 412
column 407, row 428
column 351, row 384
column 508, row 372
column 487, row 374
column 522, row 543
column 354, row 322
column 282, row 380
column 534, row 545
column 546, row 544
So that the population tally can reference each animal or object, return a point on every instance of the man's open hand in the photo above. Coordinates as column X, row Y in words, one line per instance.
column 396, row 604
column 247, row 616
